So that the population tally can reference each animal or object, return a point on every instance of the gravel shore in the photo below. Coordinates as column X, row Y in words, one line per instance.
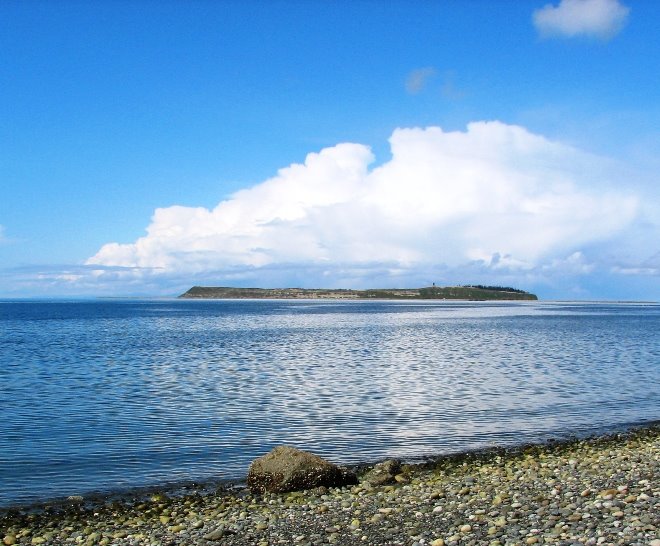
column 597, row 491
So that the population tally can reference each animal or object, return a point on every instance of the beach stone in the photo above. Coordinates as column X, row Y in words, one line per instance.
column 217, row 534
column 9, row 540
column 382, row 474
column 287, row 469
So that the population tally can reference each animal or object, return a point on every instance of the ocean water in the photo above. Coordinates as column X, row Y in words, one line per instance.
column 111, row 395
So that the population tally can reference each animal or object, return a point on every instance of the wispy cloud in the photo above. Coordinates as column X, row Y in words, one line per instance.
column 449, row 87
column 649, row 267
column 494, row 198
column 418, row 79
column 76, row 279
column 597, row 18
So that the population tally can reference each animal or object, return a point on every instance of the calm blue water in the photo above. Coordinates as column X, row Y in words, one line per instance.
column 113, row 395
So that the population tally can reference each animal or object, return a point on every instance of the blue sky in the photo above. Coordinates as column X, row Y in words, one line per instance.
column 149, row 146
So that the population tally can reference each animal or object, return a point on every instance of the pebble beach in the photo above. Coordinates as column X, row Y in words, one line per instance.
column 603, row 490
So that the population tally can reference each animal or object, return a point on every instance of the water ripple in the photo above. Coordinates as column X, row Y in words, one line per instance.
column 101, row 396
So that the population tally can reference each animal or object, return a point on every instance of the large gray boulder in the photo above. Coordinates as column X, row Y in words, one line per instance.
column 288, row 469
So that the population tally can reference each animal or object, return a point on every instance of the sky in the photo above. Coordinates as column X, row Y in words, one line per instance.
column 149, row 146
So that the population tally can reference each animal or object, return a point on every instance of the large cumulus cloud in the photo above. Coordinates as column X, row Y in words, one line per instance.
column 495, row 195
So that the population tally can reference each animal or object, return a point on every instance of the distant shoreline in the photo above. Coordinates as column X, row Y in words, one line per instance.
column 470, row 293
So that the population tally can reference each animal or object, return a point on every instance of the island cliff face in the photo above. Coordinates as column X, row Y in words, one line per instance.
column 472, row 293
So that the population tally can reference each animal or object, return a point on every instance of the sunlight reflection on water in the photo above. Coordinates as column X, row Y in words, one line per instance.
column 115, row 395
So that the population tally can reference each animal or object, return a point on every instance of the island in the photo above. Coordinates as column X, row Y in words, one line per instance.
column 468, row 292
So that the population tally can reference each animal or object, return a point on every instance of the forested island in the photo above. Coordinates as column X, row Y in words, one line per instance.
column 469, row 292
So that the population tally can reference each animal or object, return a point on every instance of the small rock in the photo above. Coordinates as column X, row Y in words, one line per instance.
column 9, row 540
column 217, row 534
column 438, row 542
column 401, row 478
column 466, row 528
column 608, row 493
column 382, row 473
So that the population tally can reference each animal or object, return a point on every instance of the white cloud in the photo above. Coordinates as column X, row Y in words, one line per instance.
column 495, row 198
column 418, row 78
column 637, row 271
column 575, row 264
column 599, row 18
column 650, row 267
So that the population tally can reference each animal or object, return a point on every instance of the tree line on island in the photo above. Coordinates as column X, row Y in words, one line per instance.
column 496, row 288
column 465, row 292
